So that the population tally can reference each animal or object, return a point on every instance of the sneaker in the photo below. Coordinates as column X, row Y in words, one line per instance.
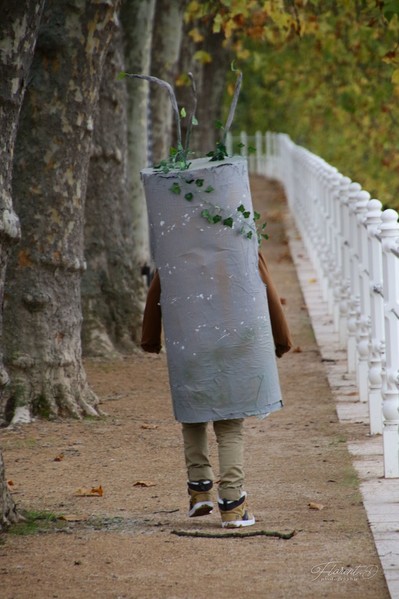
column 235, row 513
column 200, row 498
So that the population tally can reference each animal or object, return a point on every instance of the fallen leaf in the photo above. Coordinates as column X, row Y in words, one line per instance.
column 93, row 492
column 149, row 426
column 315, row 506
column 297, row 350
column 144, row 483
column 10, row 483
column 72, row 518
column 59, row 457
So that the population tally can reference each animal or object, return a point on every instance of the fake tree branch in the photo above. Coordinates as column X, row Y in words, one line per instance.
column 171, row 93
column 192, row 119
column 233, row 107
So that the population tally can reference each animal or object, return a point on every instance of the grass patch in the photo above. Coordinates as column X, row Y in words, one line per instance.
column 36, row 523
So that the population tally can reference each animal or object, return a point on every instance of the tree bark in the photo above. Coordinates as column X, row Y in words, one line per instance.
column 137, row 21
column 167, row 36
column 18, row 32
column 42, row 308
column 111, row 284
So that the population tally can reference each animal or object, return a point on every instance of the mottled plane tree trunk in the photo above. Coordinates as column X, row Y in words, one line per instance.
column 167, row 35
column 18, row 32
column 42, row 308
column 111, row 284
column 137, row 22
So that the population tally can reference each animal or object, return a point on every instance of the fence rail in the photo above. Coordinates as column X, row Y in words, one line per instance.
column 354, row 247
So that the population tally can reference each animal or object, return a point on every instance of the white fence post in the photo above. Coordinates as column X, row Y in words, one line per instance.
column 390, row 262
column 377, row 334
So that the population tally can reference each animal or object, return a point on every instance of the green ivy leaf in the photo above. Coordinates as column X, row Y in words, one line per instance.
column 228, row 222
column 251, row 150
column 194, row 121
column 206, row 214
column 240, row 145
column 183, row 113
column 256, row 215
column 209, row 189
column 199, row 182
column 216, row 219
column 264, row 236
column 241, row 208
column 246, row 214
column 189, row 196
column 249, row 235
column 175, row 188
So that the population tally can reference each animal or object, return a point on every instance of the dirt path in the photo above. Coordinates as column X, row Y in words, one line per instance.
column 124, row 547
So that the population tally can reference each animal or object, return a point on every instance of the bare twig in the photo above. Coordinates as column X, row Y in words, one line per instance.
column 172, row 96
column 233, row 535
column 193, row 111
column 232, row 106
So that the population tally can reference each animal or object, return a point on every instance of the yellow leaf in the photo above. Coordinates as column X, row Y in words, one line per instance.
column 196, row 35
column 93, row 492
column 315, row 506
column 202, row 57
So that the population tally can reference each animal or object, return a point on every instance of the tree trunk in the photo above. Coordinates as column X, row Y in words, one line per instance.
column 211, row 89
column 137, row 21
column 111, row 285
column 18, row 32
column 167, row 35
column 42, row 308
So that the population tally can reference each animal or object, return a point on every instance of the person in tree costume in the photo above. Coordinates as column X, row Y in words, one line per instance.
column 221, row 343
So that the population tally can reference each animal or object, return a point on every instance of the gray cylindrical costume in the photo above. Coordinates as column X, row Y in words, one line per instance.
column 218, row 337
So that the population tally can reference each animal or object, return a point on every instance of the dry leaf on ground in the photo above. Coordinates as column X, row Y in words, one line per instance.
column 59, row 457
column 144, row 483
column 315, row 506
column 93, row 492
column 149, row 426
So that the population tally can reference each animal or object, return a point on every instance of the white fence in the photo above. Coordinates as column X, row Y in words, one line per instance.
column 354, row 247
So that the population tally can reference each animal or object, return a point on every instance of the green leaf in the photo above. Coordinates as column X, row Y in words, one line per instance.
column 251, row 150
column 121, row 75
column 189, row 196
column 246, row 214
column 241, row 208
column 175, row 188
column 217, row 218
column 189, row 181
column 206, row 214
column 183, row 113
column 209, row 189
column 172, row 151
column 228, row 222
column 199, row 182
column 240, row 145
column 219, row 124
column 264, row 236
column 194, row 121
column 256, row 215
column 249, row 235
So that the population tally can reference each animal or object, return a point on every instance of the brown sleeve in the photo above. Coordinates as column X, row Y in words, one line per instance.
column 152, row 318
column 281, row 333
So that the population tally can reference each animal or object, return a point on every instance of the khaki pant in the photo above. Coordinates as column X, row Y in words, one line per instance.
column 229, row 435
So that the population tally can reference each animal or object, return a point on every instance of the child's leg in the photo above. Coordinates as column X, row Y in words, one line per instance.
column 196, row 451
column 232, row 499
column 199, row 470
column 229, row 434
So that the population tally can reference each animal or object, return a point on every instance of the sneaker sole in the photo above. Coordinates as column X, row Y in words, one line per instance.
column 238, row 523
column 202, row 508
